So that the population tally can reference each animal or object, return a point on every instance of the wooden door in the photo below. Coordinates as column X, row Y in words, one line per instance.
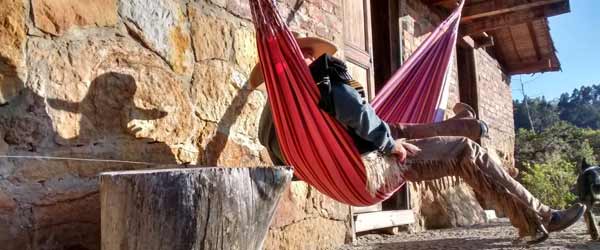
column 467, row 79
column 358, row 43
column 387, row 47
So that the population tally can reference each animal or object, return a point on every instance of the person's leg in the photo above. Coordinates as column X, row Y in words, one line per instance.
column 463, row 123
column 459, row 156
column 470, row 128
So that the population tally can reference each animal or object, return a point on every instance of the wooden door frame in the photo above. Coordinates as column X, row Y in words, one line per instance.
column 357, row 55
column 468, row 90
column 387, row 53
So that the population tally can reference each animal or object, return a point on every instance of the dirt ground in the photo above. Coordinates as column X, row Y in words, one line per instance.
column 495, row 235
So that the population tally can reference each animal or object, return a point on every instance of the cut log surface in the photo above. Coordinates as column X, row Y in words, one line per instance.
column 184, row 209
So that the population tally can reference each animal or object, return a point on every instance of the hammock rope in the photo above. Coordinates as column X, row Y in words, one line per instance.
column 321, row 151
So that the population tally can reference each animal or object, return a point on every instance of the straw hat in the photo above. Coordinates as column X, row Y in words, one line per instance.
column 319, row 47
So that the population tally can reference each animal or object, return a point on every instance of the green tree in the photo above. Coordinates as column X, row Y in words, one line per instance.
column 561, row 141
column 543, row 113
column 582, row 107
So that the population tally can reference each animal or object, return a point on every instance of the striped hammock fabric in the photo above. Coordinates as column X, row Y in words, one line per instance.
column 319, row 148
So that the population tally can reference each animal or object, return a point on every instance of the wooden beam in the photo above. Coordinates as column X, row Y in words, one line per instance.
column 360, row 210
column 531, row 67
column 441, row 2
column 514, row 44
column 499, row 54
column 513, row 18
column 384, row 219
column 534, row 40
column 468, row 41
column 484, row 41
column 492, row 8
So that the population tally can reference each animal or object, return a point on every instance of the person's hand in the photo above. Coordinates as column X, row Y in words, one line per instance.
column 403, row 149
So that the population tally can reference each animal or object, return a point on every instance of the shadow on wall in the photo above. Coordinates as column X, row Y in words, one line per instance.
column 24, row 123
column 68, row 217
column 215, row 147
column 106, row 109
column 10, row 83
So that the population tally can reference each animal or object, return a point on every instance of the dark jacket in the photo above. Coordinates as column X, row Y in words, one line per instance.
column 341, row 101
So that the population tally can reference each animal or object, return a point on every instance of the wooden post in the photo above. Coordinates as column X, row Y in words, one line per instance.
column 184, row 209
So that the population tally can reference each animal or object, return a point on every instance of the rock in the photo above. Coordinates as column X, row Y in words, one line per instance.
column 306, row 219
column 212, row 36
column 444, row 203
column 220, row 91
column 245, row 50
column 113, row 95
column 58, row 16
column 239, row 8
column 313, row 233
column 12, row 45
column 231, row 112
column 163, row 27
column 25, row 123
column 220, row 3
column 96, row 97
column 227, row 152
column 56, row 227
column 6, row 202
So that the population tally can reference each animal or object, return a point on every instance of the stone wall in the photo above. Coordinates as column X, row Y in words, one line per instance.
column 495, row 107
column 447, row 202
column 145, row 81
column 165, row 82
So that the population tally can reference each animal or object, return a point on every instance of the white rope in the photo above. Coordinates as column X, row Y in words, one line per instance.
column 72, row 159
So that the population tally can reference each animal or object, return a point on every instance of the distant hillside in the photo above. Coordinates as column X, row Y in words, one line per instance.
column 580, row 108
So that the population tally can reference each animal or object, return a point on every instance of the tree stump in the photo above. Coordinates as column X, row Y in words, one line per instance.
column 184, row 209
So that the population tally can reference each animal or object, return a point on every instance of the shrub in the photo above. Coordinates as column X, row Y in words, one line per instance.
column 548, row 160
column 551, row 182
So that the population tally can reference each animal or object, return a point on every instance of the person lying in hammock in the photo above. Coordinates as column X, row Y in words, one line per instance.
column 419, row 151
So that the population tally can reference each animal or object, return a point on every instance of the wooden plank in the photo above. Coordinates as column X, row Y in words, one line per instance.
column 352, row 226
column 383, row 219
column 355, row 24
column 513, row 42
column 492, row 8
column 529, row 67
column 534, row 40
column 374, row 208
column 490, row 215
column 513, row 18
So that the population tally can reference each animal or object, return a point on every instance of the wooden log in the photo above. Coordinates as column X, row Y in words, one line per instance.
column 184, row 209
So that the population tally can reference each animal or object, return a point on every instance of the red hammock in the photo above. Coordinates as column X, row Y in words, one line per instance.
column 319, row 148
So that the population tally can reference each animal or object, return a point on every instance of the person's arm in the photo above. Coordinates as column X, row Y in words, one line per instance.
column 351, row 111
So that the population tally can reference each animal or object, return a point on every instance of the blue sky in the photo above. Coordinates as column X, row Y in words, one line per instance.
column 576, row 36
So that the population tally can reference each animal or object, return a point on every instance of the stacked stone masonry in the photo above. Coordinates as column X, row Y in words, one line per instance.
column 165, row 82
column 449, row 201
